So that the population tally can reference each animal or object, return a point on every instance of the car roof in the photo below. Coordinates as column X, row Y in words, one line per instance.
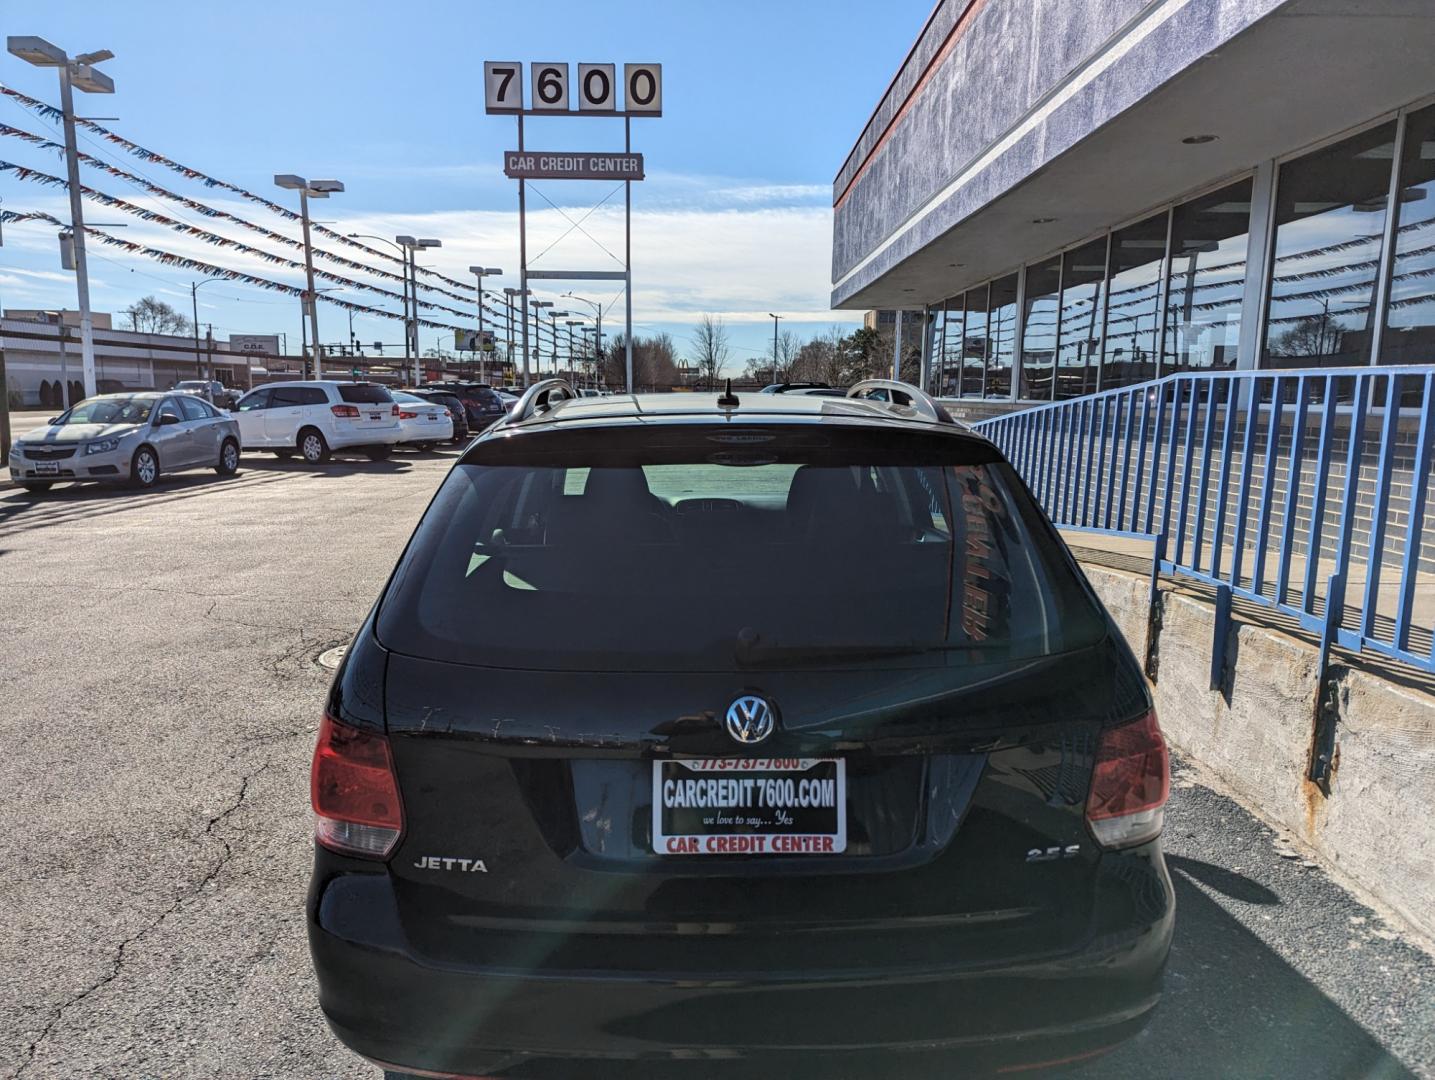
column 702, row 408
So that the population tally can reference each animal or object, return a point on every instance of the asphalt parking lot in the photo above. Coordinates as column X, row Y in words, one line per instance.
column 158, row 654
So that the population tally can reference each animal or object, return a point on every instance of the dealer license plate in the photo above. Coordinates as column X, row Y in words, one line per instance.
column 47, row 468
column 750, row 806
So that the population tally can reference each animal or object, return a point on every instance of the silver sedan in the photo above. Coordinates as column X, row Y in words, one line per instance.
column 126, row 438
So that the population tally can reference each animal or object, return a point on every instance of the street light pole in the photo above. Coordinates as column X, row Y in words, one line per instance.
column 194, row 305
column 553, row 317
column 319, row 189
column 508, row 294
column 598, row 320
column 774, row 319
column 571, row 323
column 480, row 272
column 537, row 306
column 78, row 72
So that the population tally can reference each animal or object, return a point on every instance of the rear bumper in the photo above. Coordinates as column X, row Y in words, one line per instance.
column 374, row 436
column 390, row 1004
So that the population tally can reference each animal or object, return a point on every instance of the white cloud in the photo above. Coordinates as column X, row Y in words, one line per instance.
column 738, row 250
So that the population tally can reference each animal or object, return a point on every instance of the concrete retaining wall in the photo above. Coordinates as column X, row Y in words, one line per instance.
column 1377, row 824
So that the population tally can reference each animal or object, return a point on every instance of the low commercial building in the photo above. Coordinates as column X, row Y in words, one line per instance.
column 1078, row 196
column 42, row 355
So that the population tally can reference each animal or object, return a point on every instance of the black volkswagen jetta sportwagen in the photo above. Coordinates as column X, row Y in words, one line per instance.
column 773, row 736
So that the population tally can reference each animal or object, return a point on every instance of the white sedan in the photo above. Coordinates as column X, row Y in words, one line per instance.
column 422, row 423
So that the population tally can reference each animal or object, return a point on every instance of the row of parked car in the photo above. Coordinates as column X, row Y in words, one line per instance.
column 134, row 436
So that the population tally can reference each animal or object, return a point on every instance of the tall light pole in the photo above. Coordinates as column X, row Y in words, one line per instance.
column 403, row 258
column 318, row 189
column 194, row 304
column 481, row 272
column 411, row 246
column 553, row 317
column 538, row 306
column 508, row 295
column 774, row 319
column 571, row 323
column 590, row 351
column 597, row 318
column 78, row 73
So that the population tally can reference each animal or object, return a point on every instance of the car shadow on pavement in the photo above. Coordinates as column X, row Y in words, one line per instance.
column 21, row 509
column 1232, row 1007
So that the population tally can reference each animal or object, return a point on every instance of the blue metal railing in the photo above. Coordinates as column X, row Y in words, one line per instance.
column 1305, row 490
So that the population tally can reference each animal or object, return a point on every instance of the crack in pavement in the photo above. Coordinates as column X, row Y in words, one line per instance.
column 118, row 961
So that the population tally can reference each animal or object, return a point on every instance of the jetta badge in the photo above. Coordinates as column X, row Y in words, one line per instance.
column 749, row 719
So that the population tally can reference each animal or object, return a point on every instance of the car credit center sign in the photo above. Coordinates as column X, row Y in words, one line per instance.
column 569, row 165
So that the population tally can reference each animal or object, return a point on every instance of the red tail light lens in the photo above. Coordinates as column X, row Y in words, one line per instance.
column 350, row 412
column 355, row 791
column 408, row 416
column 1130, row 784
column 396, row 410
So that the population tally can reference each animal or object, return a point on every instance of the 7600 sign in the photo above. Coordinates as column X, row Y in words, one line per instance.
column 597, row 88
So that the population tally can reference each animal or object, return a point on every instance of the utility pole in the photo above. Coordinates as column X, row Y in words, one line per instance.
column 74, row 73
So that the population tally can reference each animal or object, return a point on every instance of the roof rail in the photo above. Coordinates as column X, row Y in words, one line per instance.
column 540, row 397
column 903, row 395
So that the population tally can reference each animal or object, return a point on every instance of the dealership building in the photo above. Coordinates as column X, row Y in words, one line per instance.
column 1075, row 195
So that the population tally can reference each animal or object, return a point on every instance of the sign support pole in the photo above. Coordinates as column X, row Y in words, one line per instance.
column 628, row 255
column 523, row 260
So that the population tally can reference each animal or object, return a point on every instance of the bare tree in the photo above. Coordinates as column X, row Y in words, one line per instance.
column 655, row 362
column 712, row 350
column 765, row 369
column 153, row 316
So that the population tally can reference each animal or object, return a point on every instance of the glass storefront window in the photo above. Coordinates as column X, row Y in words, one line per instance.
column 1410, row 319
column 1083, row 278
column 1001, row 329
column 950, row 345
column 1038, row 338
column 1330, row 215
column 974, row 343
column 1133, row 308
column 1207, row 279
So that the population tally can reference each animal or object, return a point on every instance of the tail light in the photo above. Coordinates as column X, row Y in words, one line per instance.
column 350, row 412
column 408, row 416
column 395, row 410
column 355, row 791
column 1129, row 785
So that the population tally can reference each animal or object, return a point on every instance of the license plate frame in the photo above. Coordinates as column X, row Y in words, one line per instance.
column 47, row 468
column 777, row 806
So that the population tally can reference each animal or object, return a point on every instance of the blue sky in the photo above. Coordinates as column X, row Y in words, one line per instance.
column 761, row 103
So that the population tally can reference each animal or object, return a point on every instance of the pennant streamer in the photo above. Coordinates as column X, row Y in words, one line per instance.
column 23, row 173
column 209, row 211
column 53, row 114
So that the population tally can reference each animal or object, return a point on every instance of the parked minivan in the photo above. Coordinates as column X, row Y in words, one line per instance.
column 313, row 418
column 776, row 734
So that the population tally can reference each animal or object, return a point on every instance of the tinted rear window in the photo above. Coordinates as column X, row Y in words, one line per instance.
column 298, row 395
column 726, row 549
column 364, row 394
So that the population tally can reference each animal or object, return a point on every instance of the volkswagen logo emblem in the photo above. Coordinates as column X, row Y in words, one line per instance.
column 749, row 719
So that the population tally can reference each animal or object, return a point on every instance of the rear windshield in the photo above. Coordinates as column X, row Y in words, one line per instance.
column 726, row 549
column 364, row 394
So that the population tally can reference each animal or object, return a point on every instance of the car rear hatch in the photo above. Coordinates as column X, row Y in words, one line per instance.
column 366, row 408
column 579, row 611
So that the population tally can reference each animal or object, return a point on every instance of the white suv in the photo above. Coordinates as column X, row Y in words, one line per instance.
column 313, row 418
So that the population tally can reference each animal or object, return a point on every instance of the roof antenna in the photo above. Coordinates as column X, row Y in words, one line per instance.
column 727, row 399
